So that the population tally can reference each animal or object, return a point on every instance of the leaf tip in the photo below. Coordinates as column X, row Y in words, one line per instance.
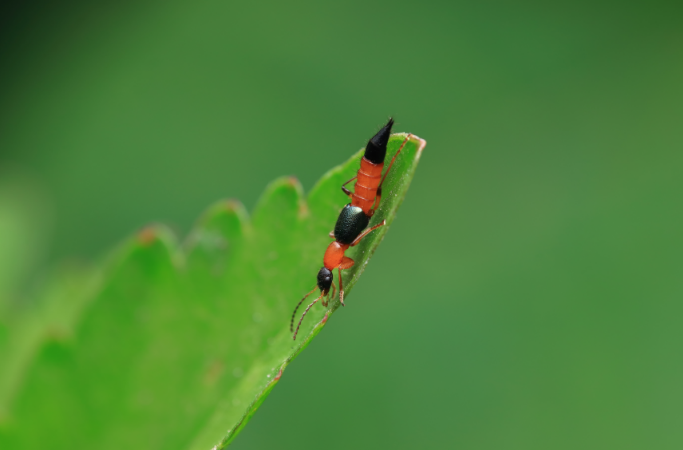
column 421, row 144
column 293, row 181
column 283, row 197
column 155, row 233
column 230, row 206
column 234, row 206
column 229, row 216
column 154, row 239
column 296, row 185
column 147, row 235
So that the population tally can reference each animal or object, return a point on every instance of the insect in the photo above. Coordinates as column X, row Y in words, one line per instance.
column 353, row 219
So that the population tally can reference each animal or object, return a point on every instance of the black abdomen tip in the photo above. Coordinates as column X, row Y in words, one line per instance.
column 376, row 149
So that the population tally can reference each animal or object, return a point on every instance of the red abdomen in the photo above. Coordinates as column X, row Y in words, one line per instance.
column 365, row 191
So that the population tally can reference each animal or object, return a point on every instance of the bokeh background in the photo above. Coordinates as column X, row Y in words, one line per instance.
column 530, row 293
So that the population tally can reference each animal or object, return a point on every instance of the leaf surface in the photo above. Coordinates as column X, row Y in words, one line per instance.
column 182, row 343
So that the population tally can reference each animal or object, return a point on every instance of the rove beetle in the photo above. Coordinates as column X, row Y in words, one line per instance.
column 353, row 218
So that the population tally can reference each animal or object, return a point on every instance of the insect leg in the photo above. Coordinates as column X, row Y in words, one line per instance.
column 366, row 232
column 341, row 288
column 346, row 191
column 334, row 291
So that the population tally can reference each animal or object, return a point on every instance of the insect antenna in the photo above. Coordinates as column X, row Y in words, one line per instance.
column 291, row 323
column 304, row 314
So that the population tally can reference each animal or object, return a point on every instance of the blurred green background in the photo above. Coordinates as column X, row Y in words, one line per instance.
column 529, row 296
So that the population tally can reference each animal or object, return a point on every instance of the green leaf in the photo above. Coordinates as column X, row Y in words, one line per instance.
column 53, row 305
column 181, row 344
column 52, row 312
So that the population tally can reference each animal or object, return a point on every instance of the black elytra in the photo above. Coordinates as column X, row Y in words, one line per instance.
column 350, row 224
column 376, row 149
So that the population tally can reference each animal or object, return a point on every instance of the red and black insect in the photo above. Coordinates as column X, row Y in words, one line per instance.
column 354, row 218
